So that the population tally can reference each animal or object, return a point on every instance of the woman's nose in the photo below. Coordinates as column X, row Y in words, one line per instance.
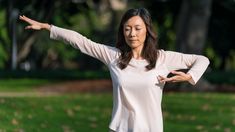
column 133, row 33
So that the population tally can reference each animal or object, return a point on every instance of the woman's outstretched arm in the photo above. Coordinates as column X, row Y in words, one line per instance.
column 102, row 52
column 35, row 25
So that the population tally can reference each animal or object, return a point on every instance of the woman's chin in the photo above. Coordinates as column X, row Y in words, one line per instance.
column 133, row 46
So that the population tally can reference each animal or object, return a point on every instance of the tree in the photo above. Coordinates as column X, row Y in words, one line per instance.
column 86, row 17
column 192, row 25
column 221, row 35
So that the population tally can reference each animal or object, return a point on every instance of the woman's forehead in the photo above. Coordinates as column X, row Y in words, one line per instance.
column 134, row 21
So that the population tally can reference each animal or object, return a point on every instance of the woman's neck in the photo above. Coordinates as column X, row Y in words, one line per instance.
column 137, row 54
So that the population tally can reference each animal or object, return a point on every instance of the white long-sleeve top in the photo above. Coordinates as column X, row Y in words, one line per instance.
column 137, row 93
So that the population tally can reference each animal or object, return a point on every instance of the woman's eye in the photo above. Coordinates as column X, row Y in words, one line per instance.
column 127, row 29
column 138, row 29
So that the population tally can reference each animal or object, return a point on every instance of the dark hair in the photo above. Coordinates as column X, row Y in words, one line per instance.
column 149, row 52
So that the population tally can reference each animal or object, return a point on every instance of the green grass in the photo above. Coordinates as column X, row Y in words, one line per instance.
column 78, row 113
column 193, row 112
column 23, row 85
column 183, row 112
column 90, row 112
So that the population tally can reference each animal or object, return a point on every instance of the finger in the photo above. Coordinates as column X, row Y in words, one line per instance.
column 177, row 72
column 28, row 27
column 21, row 18
column 176, row 78
column 171, row 79
column 164, row 79
column 168, row 79
column 30, row 21
column 160, row 79
column 24, row 18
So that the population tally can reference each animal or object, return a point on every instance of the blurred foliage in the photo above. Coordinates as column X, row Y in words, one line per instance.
column 220, row 37
column 221, row 77
column 4, row 40
column 98, row 21
column 62, row 74
column 214, row 77
column 164, row 15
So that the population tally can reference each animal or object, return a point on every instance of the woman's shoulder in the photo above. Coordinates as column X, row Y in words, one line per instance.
column 162, row 52
column 164, row 55
column 113, row 51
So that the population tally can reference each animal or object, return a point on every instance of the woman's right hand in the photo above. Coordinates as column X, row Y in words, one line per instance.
column 34, row 24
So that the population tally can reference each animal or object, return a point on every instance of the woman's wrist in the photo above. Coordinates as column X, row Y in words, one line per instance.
column 189, row 77
column 46, row 26
column 190, row 80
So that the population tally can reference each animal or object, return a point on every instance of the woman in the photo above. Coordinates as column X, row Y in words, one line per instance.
column 138, row 69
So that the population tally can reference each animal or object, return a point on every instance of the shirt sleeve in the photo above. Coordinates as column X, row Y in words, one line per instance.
column 101, row 52
column 197, row 64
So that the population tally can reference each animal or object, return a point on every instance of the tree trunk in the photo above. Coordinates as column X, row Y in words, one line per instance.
column 192, row 32
column 192, row 26
column 26, row 45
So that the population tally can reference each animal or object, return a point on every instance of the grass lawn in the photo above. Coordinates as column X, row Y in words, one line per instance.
column 22, row 85
column 90, row 112
column 65, row 113
column 199, row 112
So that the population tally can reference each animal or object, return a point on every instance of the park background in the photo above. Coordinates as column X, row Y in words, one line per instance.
column 46, row 85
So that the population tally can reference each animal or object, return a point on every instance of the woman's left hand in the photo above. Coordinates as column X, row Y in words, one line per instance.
column 178, row 77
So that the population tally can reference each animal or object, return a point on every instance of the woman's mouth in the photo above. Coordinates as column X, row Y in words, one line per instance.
column 132, row 40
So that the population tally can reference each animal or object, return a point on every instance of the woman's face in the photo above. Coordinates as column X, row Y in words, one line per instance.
column 134, row 31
